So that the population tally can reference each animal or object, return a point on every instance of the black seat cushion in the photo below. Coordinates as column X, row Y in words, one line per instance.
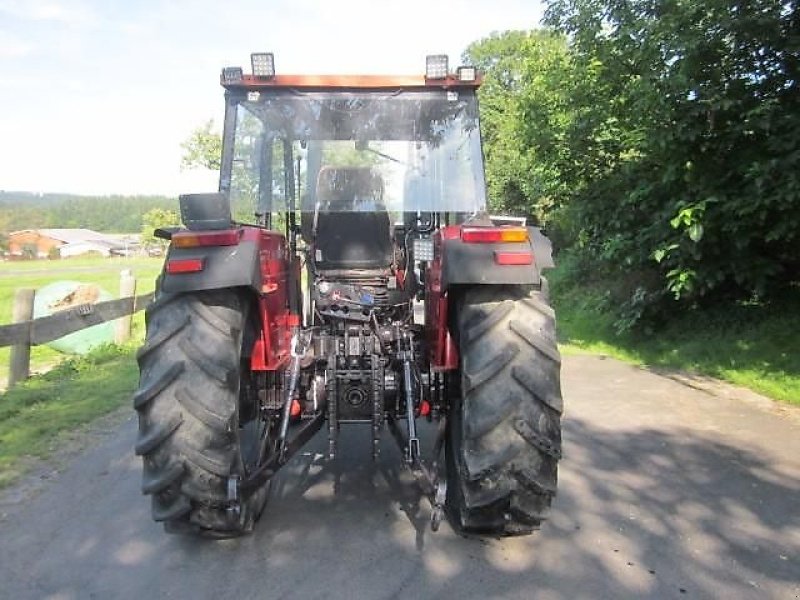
column 353, row 240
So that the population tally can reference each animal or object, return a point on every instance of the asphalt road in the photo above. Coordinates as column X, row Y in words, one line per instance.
column 666, row 491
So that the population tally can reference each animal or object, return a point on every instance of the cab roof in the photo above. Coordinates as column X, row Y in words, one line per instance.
column 372, row 82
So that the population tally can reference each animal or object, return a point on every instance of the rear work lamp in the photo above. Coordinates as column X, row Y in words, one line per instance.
column 423, row 249
column 436, row 66
column 467, row 73
column 231, row 75
column 263, row 64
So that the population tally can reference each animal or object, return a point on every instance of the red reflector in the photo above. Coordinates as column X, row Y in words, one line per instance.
column 295, row 410
column 493, row 235
column 513, row 258
column 424, row 408
column 185, row 265
column 192, row 239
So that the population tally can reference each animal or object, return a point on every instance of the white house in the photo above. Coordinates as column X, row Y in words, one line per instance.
column 104, row 247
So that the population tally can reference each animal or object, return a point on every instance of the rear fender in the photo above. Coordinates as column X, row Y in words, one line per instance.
column 457, row 263
column 259, row 262
column 222, row 267
column 477, row 264
column 470, row 263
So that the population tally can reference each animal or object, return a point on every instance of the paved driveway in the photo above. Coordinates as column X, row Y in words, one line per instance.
column 666, row 491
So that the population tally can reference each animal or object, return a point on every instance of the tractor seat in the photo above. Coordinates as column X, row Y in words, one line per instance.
column 353, row 226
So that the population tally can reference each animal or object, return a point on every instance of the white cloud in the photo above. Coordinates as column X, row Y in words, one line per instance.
column 72, row 13
column 120, row 98
column 13, row 47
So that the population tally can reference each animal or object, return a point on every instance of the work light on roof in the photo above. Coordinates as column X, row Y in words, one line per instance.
column 436, row 66
column 467, row 73
column 232, row 75
column 263, row 64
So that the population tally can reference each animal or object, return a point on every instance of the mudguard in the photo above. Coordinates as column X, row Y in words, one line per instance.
column 457, row 263
column 464, row 263
column 246, row 257
column 258, row 259
column 475, row 264
column 223, row 267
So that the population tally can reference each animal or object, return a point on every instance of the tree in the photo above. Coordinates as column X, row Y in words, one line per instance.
column 120, row 214
column 526, row 75
column 154, row 219
column 680, row 159
column 203, row 148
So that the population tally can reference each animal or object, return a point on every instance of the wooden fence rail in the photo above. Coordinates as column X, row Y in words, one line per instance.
column 26, row 332
column 53, row 327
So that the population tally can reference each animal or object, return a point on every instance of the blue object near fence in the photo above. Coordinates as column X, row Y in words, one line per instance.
column 67, row 294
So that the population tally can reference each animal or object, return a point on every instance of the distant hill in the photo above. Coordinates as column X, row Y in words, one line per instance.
column 109, row 214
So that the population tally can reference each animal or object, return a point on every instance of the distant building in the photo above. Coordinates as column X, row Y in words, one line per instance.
column 103, row 247
column 41, row 243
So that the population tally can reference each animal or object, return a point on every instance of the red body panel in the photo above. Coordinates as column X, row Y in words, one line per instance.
column 271, row 349
column 444, row 355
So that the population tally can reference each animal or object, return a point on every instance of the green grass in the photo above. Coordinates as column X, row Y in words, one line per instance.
column 752, row 346
column 36, row 415
column 40, row 412
column 38, row 273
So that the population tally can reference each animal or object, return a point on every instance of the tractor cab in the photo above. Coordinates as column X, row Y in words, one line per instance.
column 354, row 170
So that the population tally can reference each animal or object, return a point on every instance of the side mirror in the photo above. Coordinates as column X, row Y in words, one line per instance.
column 206, row 211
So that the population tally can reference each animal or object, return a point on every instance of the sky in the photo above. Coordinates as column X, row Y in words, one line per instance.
column 97, row 96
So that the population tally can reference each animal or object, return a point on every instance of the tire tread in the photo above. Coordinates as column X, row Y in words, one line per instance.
column 506, row 442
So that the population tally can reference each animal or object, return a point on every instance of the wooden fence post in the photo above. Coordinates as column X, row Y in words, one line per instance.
column 127, row 288
column 20, row 366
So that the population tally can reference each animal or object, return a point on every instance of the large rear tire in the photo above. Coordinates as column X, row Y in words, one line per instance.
column 191, row 438
column 504, row 432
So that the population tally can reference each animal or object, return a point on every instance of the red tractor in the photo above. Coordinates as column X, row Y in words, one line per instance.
column 347, row 273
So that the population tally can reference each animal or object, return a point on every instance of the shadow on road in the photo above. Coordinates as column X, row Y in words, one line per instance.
column 640, row 513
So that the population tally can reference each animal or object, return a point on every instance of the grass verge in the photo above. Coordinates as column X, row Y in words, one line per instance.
column 36, row 414
column 751, row 346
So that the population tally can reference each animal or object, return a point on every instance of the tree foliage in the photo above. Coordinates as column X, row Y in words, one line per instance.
column 687, row 121
column 661, row 143
column 112, row 214
column 525, row 83
column 154, row 219
column 203, row 148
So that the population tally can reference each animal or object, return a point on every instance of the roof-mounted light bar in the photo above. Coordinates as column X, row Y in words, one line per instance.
column 263, row 76
column 263, row 64
column 436, row 66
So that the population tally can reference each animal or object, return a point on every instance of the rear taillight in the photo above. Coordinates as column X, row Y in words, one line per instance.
column 513, row 258
column 192, row 239
column 494, row 235
column 185, row 265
